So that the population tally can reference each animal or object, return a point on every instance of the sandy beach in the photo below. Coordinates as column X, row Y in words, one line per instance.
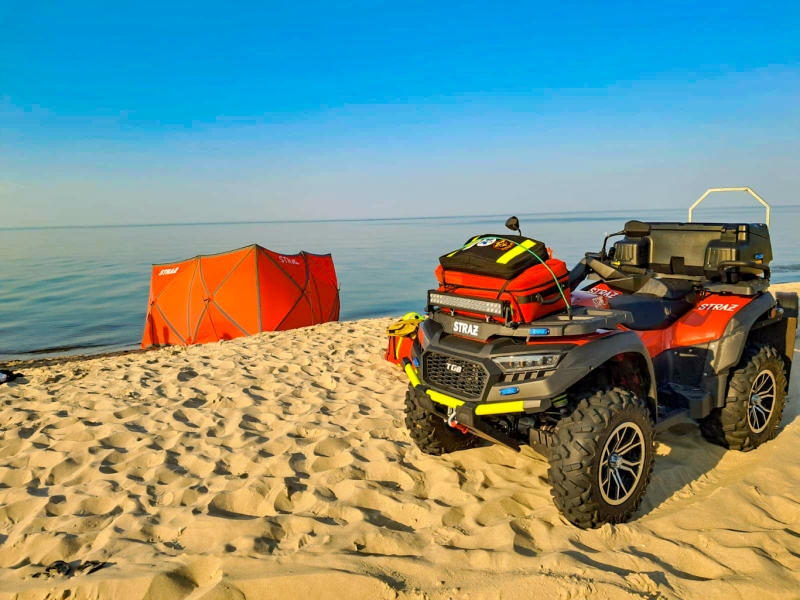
column 278, row 466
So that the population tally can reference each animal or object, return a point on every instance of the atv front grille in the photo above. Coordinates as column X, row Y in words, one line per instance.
column 455, row 375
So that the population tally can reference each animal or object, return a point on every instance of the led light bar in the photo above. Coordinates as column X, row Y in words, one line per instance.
column 486, row 307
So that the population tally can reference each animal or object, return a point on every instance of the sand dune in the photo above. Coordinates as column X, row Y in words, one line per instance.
column 278, row 466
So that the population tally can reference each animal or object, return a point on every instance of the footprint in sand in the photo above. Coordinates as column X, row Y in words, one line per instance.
column 242, row 503
column 331, row 447
column 63, row 471
column 186, row 374
column 194, row 403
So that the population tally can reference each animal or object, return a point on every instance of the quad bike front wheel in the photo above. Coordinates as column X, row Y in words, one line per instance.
column 431, row 433
column 754, row 404
column 602, row 458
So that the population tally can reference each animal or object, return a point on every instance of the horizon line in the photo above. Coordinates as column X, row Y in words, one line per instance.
column 346, row 220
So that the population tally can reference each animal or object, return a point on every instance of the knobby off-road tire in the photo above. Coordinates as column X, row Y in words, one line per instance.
column 430, row 432
column 593, row 452
column 754, row 403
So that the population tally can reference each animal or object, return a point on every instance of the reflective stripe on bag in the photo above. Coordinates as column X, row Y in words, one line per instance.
column 515, row 252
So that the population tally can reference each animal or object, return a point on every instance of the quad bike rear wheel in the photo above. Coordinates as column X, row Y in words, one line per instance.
column 602, row 458
column 754, row 404
column 431, row 433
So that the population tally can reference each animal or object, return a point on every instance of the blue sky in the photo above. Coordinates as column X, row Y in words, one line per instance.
column 211, row 112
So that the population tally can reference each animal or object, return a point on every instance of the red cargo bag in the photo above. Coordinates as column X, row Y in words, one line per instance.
column 398, row 349
column 532, row 294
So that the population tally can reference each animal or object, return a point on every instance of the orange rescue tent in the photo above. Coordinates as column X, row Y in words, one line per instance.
column 238, row 293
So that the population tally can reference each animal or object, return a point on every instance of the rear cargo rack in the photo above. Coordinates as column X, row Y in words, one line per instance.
column 584, row 321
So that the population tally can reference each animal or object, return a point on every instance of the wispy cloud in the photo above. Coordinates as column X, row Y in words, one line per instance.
column 7, row 187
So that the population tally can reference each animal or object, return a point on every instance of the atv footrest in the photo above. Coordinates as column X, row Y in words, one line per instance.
column 699, row 402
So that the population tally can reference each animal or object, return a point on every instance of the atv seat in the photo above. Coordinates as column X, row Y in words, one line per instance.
column 650, row 311
column 669, row 288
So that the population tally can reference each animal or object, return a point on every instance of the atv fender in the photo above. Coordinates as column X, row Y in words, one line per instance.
column 781, row 334
column 730, row 346
column 751, row 323
column 790, row 303
column 581, row 361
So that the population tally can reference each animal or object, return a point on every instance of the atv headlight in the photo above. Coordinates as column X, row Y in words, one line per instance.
column 517, row 363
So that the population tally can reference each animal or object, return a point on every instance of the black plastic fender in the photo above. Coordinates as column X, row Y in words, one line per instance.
column 729, row 347
column 582, row 360
column 781, row 330
column 790, row 303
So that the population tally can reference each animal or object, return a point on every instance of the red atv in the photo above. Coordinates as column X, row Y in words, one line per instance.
column 675, row 320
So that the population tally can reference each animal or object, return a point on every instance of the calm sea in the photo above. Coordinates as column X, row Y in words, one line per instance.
column 84, row 290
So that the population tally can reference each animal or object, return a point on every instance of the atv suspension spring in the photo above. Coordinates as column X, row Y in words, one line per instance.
column 560, row 402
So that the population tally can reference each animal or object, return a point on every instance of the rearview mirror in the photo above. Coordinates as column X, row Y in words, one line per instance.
column 513, row 224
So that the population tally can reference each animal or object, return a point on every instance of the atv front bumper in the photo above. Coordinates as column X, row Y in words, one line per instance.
column 466, row 414
column 461, row 406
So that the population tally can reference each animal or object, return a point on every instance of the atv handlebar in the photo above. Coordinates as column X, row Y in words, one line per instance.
column 605, row 270
column 624, row 277
column 633, row 270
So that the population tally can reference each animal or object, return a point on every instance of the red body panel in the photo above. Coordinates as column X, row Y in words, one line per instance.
column 704, row 323
column 601, row 289
column 589, row 300
column 399, row 348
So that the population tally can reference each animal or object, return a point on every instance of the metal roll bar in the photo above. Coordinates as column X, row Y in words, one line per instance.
column 732, row 189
